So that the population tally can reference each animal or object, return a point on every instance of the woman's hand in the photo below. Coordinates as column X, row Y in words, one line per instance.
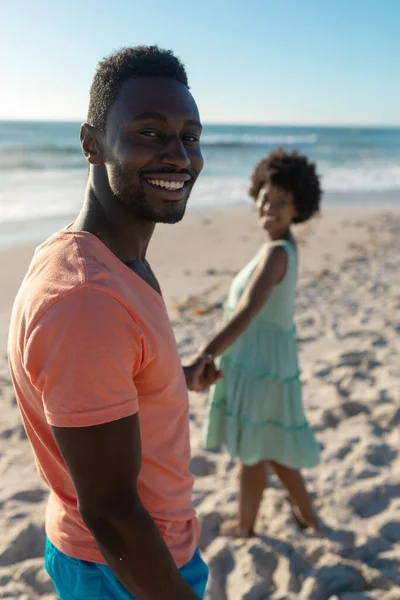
column 201, row 373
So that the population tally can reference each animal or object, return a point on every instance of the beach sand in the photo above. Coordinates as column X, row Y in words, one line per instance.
column 348, row 322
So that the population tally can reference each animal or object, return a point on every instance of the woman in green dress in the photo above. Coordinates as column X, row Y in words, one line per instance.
column 256, row 408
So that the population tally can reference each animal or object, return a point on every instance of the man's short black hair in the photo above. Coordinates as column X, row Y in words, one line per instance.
column 293, row 172
column 141, row 61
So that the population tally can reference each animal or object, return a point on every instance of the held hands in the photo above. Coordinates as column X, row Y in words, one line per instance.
column 201, row 373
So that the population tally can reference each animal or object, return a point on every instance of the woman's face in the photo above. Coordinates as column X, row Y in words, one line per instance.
column 276, row 210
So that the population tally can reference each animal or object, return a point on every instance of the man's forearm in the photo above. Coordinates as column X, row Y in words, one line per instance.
column 135, row 551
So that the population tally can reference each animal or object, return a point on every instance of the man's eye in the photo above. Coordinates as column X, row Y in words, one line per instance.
column 149, row 133
column 192, row 139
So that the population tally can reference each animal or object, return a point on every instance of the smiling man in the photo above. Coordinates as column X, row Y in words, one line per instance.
column 93, row 357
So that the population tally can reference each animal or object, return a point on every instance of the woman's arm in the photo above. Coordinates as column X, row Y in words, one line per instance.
column 271, row 271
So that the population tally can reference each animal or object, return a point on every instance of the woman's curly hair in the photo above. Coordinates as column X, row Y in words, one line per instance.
column 293, row 172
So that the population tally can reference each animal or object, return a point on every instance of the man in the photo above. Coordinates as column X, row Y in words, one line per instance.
column 93, row 356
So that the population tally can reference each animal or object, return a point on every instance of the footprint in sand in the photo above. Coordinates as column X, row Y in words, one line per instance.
column 365, row 473
column 329, row 420
column 330, row 580
column 391, row 531
column 221, row 563
column 264, row 563
column 17, row 432
column 395, row 419
column 344, row 451
column 372, row 502
column 380, row 342
column 352, row 408
column 380, row 455
column 199, row 496
column 323, row 372
column 210, row 526
column 23, row 543
column 201, row 466
column 33, row 574
column 355, row 596
column 357, row 358
column 30, row 495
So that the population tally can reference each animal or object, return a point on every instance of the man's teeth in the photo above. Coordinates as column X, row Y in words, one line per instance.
column 168, row 185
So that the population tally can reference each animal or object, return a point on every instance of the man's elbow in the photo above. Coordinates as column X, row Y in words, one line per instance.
column 98, row 514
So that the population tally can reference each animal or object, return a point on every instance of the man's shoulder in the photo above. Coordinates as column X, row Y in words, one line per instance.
column 65, row 265
column 69, row 260
column 60, row 265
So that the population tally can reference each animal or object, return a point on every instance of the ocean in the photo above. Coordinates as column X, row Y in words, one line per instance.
column 43, row 173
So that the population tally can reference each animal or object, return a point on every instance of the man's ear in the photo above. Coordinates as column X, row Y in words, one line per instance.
column 91, row 144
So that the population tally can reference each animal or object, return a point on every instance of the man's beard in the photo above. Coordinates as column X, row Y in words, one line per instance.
column 132, row 196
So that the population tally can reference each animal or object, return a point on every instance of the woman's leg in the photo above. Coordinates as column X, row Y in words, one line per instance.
column 293, row 481
column 252, row 482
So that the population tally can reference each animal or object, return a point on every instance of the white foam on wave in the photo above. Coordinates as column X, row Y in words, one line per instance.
column 219, row 191
column 361, row 178
column 46, row 194
column 221, row 139
column 30, row 195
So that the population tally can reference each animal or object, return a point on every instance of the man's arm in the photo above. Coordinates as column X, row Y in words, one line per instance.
column 83, row 355
column 104, row 462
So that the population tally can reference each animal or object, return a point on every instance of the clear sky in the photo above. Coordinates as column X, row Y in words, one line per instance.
column 249, row 61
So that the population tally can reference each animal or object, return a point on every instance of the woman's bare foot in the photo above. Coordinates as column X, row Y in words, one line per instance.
column 310, row 523
column 233, row 529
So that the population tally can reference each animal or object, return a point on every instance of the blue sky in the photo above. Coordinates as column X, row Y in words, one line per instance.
column 254, row 61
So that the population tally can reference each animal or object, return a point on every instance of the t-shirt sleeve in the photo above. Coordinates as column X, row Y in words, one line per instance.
column 83, row 355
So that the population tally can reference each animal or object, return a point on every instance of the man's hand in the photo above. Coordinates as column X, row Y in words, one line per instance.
column 201, row 373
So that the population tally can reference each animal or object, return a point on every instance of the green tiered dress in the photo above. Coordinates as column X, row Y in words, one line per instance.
column 256, row 408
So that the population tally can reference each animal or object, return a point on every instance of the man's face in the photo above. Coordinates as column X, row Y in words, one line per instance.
column 152, row 148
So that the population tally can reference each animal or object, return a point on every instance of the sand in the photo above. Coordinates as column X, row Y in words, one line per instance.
column 348, row 322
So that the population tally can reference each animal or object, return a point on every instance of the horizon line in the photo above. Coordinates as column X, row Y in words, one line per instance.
column 229, row 123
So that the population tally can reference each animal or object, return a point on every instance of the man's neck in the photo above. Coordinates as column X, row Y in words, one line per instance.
column 125, row 235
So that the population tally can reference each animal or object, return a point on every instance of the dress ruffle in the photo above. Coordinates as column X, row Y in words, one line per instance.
column 264, row 419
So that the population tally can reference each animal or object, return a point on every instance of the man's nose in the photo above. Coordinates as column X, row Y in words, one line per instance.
column 175, row 153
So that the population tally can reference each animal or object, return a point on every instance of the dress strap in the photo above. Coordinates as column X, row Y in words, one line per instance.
column 284, row 244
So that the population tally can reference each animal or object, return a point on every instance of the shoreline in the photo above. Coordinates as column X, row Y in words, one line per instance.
column 34, row 230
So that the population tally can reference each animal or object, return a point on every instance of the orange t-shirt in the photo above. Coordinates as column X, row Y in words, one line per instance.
column 90, row 342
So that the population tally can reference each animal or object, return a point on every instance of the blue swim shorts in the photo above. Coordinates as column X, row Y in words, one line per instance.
column 75, row 579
